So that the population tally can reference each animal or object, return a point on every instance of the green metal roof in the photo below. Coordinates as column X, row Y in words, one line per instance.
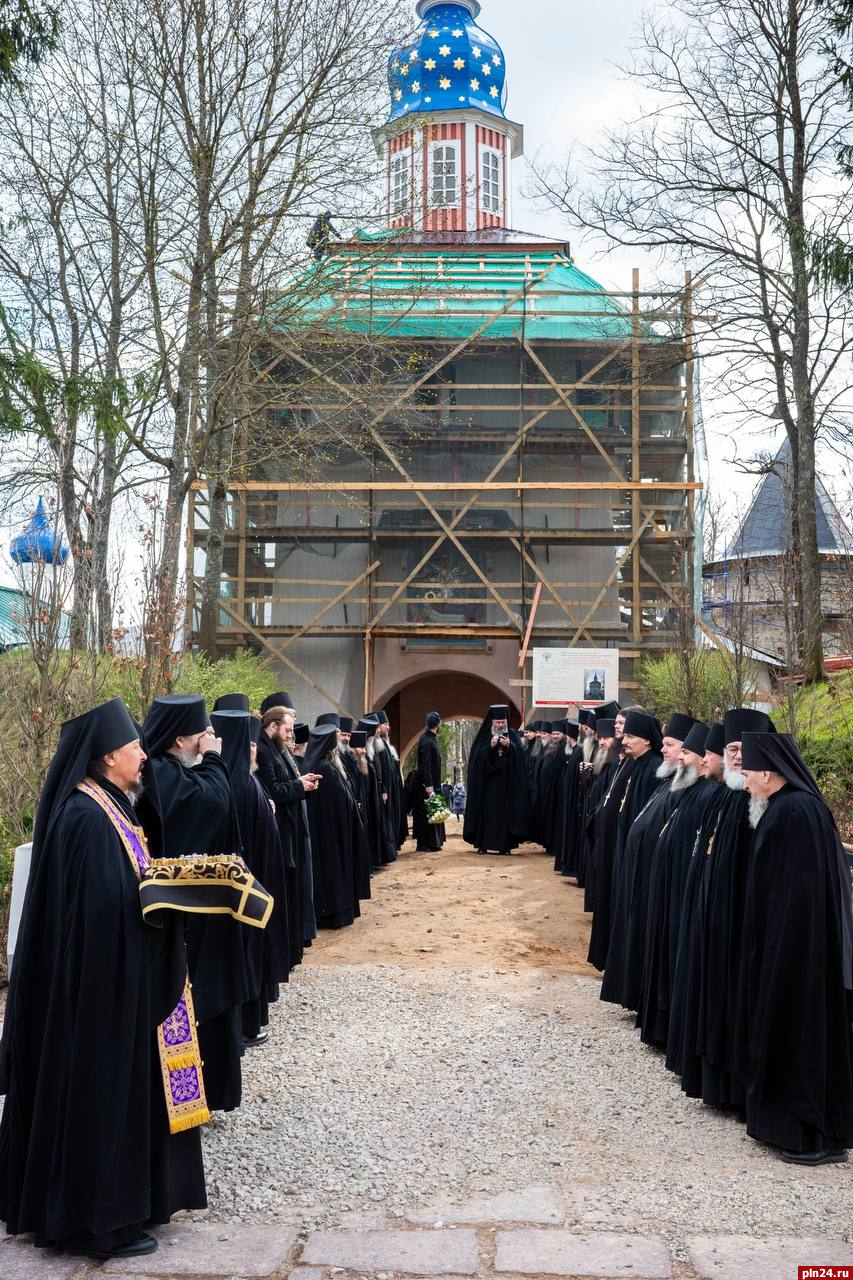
column 380, row 286
column 13, row 613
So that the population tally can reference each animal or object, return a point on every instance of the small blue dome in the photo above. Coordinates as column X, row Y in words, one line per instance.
column 448, row 64
column 38, row 542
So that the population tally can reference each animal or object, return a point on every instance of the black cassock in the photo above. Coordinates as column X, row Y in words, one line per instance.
column 86, row 1157
column 497, row 814
column 623, row 974
column 566, row 848
column 667, row 885
column 279, row 776
column 429, row 835
column 549, row 798
column 794, row 1050
column 265, row 859
column 600, row 870
column 338, row 845
column 600, row 785
column 713, row 968
column 197, row 815
column 383, row 765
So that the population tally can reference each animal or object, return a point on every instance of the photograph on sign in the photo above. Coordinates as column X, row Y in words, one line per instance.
column 586, row 677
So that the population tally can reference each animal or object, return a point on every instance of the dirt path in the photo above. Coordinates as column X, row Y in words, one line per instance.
column 457, row 909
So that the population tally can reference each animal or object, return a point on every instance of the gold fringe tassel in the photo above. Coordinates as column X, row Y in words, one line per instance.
column 179, row 1124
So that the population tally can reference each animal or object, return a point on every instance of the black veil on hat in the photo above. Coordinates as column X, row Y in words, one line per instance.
column 347, row 724
column 358, row 738
column 328, row 717
column 382, row 717
column 743, row 720
column 639, row 724
column 678, row 726
column 234, row 727
column 301, row 733
column 280, row 699
column 573, row 729
column 605, row 728
column 777, row 753
column 607, row 711
column 367, row 726
column 321, row 739
column 544, row 726
column 172, row 716
column 586, row 716
column 696, row 738
column 232, row 702
column 716, row 739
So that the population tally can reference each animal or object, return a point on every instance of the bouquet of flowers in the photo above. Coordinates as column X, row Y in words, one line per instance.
column 436, row 808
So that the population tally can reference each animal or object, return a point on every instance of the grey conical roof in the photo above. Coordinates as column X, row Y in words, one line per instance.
column 765, row 530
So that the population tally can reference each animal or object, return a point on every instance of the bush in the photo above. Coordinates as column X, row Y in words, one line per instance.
column 244, row 672
column 699, row 684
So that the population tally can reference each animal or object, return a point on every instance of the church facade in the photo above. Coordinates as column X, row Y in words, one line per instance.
column 507, row 452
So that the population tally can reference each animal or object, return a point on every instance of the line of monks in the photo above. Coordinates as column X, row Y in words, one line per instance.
column 178, row 872
column 720, row 898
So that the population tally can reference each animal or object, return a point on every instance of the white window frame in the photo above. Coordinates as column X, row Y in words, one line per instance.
column 403, row 160
column 454, row 145
column 486, row 150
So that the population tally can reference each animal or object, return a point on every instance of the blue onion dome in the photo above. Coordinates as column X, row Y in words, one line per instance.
column 38, row 543
column 448, row 64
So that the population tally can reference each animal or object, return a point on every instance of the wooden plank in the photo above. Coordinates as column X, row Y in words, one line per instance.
column 537, row 593
column 448, row 486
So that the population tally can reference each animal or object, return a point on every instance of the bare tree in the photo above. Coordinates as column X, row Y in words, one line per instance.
column 732, row 168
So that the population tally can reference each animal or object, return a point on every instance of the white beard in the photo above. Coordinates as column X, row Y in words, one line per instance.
column 588, row 748
column 757, row 809
column 685, row 776
column 733, row 779
column 380, row 742
column 665, row 769
column 393, row 750
column 600, row 760
column 371, row 748
column 339, row 764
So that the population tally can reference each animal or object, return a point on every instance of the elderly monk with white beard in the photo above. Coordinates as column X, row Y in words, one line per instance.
column 713, row 964
column 624, row 970
column 793, row 1047
column 671, row 863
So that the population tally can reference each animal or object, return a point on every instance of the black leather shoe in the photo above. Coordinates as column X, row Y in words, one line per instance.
column 250, row 1042
column 133, row 1249
column 813, row 1157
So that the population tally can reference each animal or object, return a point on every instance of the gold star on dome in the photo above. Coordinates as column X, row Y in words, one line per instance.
column 435, row 34
column 430, row 64
column 427, row 99
column 487, row 70
column 398, row 94
column 457, row 33
column 395, row 64
column 459, row 63
column 444, row 51
column 414, row 55
column 494, row 91
column 416, row 86
column 476, row 51
column 475, row 84
column 404, row 70
column 444, row 83
column 496, row 60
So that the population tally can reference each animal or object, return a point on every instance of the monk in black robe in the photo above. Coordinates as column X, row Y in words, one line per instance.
column 369, row 783
column 388, row 760
column 497, row 813
column 341, row 872
column 429, row 836
column 681, row 1044
column 605, row 762
column 266, row 951
column 550, row 793
column 188, row 808
column 623, row 975
column 715, row 948
column 380, row 763
column 794, row 1048
column 604, row 836
column 279, row 775
column 565, row 855
column 86, row 1154
column 667, row 878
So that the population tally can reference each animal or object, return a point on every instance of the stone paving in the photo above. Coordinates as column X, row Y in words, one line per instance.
column 513, row 1236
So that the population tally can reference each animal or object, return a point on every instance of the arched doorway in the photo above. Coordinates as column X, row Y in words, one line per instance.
column 455, row 695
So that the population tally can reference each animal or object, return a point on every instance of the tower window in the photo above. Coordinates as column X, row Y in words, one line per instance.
column 401, row 181
column 444, row 175
column 491, row 173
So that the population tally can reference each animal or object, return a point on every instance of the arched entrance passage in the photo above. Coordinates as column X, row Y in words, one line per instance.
column 456, row 695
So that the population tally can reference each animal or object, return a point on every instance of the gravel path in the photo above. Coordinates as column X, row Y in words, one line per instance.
column 384, row 1088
